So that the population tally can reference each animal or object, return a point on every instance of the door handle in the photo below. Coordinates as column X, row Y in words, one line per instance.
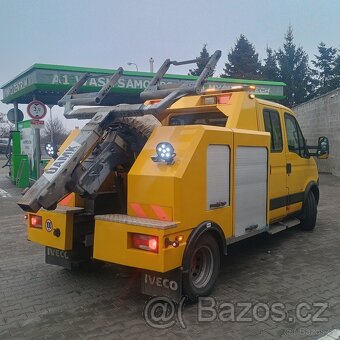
column 289, row 168
column 218, row 204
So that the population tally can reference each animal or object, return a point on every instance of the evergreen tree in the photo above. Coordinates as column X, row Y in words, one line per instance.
column 270, row 71
column 335, row 82
column 243, row 61
column 201, row 64
column 325, row 64
column 294, row 71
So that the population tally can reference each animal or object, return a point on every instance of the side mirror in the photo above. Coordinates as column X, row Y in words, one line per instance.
column 323, row 148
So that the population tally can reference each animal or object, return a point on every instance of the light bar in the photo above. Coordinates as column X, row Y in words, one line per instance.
column 235, row 88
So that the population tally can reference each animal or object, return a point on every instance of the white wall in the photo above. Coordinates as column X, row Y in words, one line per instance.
column 321, row 117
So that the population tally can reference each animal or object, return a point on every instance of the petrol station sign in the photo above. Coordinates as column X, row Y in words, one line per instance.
column 58, row 78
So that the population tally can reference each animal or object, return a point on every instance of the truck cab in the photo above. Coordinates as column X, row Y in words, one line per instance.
column 292, row 170
column 217, row 166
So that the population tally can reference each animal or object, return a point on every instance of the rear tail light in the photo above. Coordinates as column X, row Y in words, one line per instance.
column 35, row 221
column 145, row 242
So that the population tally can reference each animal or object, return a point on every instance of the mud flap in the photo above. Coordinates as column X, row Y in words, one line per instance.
column 58, row 257
column 167, row 284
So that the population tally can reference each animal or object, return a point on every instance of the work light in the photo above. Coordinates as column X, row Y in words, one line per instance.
column 51, row 150
column 164, row 153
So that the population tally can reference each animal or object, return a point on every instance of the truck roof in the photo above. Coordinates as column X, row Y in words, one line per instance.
column 269, row 103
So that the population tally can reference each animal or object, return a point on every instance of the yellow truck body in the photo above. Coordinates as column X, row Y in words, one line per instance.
column 235, row 172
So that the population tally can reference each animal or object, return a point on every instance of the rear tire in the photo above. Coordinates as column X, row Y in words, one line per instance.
column 204, row 269
column 308, row 220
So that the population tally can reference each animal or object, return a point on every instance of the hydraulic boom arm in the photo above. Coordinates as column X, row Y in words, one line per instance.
column 65, row 174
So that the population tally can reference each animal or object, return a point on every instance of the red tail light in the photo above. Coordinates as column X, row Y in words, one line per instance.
column 35, row 221
column 145, row 242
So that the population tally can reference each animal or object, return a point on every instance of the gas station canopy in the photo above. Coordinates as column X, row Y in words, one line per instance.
column 48, row 83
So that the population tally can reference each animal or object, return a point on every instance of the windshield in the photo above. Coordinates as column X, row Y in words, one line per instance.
column 206, row 118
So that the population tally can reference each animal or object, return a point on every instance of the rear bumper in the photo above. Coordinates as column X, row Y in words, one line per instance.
column 112, row 242
column 57, row 227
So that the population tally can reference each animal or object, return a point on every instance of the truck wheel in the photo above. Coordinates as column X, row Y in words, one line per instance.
column 308, row 220
column 204, row 268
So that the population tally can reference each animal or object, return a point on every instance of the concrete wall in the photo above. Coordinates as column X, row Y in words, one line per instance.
column 321, row 117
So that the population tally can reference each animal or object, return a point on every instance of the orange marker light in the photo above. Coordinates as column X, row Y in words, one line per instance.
column 180, row 238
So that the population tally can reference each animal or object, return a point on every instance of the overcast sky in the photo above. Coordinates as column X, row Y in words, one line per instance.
column 108, row 34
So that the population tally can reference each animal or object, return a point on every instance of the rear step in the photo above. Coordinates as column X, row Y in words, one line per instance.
column 285, row 224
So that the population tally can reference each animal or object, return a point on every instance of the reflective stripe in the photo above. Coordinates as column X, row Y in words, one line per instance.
column 137, row 208
column 160, row 213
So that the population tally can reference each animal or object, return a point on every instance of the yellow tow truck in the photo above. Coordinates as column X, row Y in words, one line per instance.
column 167, row 185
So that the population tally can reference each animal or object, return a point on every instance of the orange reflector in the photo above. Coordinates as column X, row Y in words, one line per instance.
column 66, row 200
column 145, row 242
column 35, row 221
column 223, row 99
column 155, row 101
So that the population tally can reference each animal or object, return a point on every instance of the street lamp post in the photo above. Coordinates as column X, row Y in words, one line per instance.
column 51, row 120
column 151, row 61
column 129, row 63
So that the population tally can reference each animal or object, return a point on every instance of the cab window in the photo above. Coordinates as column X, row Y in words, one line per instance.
column 295, row 139
column 206, row 118
column 272, row 124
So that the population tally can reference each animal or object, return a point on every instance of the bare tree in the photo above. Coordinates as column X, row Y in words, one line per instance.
column 55, row 128
column 5, row 125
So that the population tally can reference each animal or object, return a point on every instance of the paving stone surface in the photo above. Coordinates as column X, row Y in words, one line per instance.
column 297, row 272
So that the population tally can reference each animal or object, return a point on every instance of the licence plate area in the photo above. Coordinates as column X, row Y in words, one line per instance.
column 168, row 284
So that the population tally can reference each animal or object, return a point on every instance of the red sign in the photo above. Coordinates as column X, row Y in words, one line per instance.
column 37, row 124
column 36, row 109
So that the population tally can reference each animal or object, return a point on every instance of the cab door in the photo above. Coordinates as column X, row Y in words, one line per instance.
column 299, row 164
column 271, row 121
